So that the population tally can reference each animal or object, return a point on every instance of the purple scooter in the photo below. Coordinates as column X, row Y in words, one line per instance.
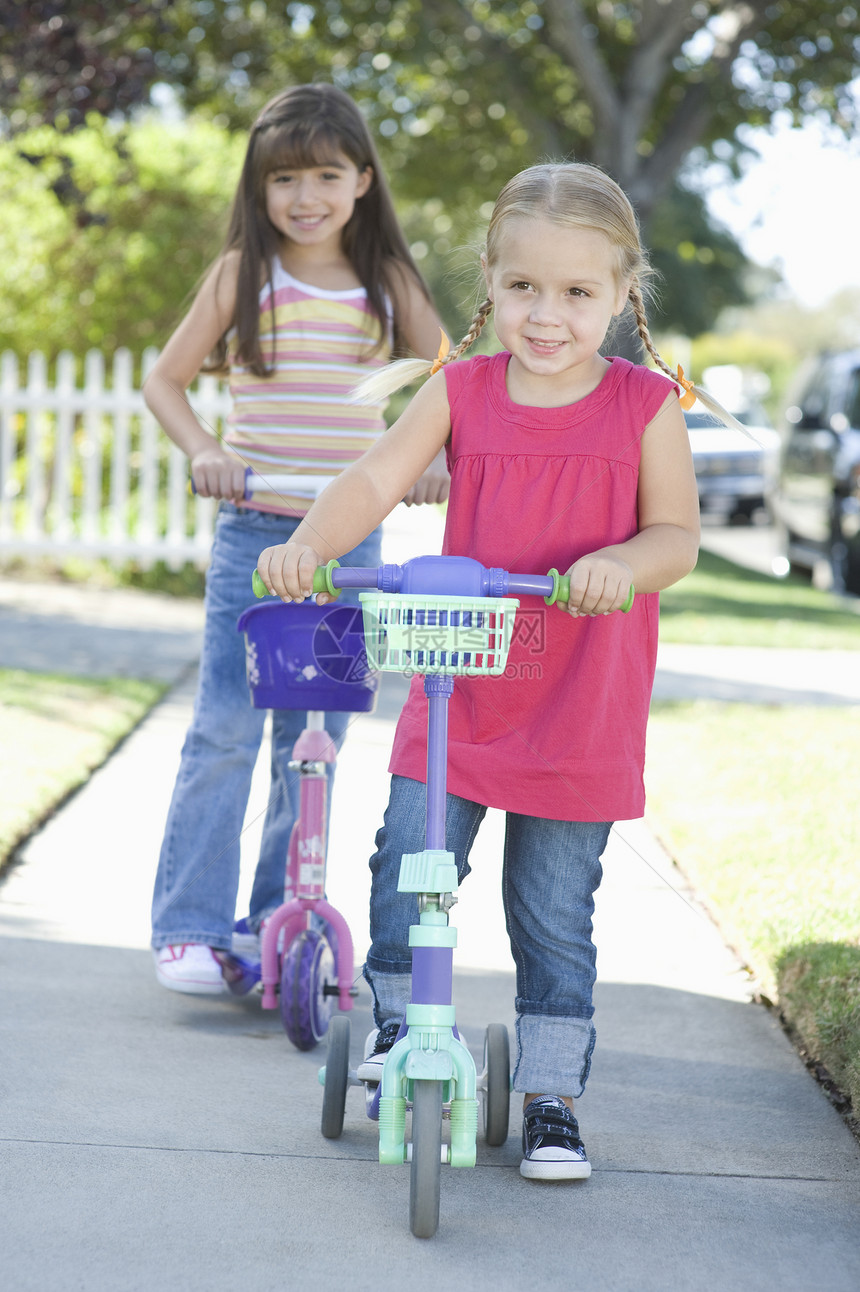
column 440, row 617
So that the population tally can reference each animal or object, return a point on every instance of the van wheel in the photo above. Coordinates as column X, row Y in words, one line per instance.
column 844, row 554
column 845, row 565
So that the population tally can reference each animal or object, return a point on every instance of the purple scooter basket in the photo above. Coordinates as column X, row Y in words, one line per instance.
column 307, row 656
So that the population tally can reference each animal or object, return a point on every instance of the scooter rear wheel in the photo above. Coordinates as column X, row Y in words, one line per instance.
column 336, row 1078
column 497, row 1095
column 308, row 969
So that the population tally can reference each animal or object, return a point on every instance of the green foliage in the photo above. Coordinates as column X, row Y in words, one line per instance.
column 60, row 59
column 485, row 83
column 775, row 337
column 434, row 67
column 833, row 326
column 700, row 268
column 460, row 93
column 435, row 74
column 463, row 93
column 108, row 230
column 774, row 356
column 188, row 581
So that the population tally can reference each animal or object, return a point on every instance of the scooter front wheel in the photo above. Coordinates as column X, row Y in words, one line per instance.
column 426, row 1168
column 306, row 1008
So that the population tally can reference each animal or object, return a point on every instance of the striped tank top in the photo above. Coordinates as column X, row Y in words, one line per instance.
column 300, row 420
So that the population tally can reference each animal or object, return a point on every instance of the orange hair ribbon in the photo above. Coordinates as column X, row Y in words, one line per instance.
column 688, row 399
column 444, row 351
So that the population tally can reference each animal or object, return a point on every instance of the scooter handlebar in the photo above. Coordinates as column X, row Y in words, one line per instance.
column 286, row 483
column 331, row 578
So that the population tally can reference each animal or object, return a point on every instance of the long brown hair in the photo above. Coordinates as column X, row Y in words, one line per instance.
column 299, row 129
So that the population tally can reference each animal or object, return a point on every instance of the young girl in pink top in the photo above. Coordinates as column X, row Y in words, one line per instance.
column 558, row 457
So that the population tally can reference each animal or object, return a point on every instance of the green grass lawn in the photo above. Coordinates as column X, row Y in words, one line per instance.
column 758, row 805
column 720, row 604
column 54, row 731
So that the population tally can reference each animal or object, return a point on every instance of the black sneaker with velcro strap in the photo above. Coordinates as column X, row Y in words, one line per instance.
column 552, row 1149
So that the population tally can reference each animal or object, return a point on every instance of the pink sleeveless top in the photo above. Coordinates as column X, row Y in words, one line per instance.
column 562, row 733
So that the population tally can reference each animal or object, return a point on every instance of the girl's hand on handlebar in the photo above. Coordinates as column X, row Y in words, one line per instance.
column 599, row 585
column 218, row 474
column 288, row 571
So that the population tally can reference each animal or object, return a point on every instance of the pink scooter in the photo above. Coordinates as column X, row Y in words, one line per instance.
column 311, row 658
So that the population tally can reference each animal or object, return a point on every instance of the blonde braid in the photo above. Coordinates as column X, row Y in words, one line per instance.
column 476, row 327
column 637, row 304
column 402, row 373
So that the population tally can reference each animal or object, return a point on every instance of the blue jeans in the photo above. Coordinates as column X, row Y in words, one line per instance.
column 198, row 869
column 550, row 873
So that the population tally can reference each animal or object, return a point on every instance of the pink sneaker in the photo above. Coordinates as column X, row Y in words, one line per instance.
column 189, row 967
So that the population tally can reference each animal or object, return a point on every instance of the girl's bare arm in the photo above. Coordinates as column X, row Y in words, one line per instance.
column 216, row 472
column 360, row 499
column 422, row 331
column 667, row 543
column 419, row 320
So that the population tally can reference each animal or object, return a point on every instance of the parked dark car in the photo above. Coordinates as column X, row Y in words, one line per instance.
column 732, row 469
column 815, row 497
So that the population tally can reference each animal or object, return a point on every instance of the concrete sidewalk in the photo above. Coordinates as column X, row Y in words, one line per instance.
column 156, row 1139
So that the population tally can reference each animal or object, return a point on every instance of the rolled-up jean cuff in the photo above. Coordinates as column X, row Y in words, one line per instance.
column 553, row 1054
column 391, row 992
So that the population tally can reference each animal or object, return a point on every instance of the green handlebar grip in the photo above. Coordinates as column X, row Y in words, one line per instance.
column 322, row 578
column 322, row 581
column 561, row 591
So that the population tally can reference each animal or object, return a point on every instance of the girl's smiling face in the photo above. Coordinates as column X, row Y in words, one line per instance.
column 312, row 205
column 555, row 291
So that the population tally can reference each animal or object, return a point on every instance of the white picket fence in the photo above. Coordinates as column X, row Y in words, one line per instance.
column 85, row 469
